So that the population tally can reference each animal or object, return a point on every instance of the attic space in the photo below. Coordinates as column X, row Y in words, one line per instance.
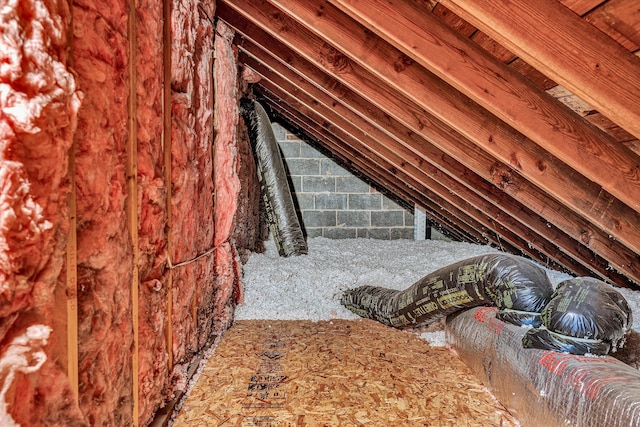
column 340, row 212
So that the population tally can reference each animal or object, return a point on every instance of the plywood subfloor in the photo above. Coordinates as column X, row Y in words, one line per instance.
column 335, row 373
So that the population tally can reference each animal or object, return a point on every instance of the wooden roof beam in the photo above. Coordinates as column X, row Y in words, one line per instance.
column 448, row 215
column 479, row 209
column 566, row 48
column 451, row 217
column 502, row 91
column 534, row 228
column 408, row 113
column 449, row 106
column 380, row 176
column 433, row 178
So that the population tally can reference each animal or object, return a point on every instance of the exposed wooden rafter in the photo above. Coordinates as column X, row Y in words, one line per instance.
column 448, row 117
column 428, row 165
column 566, row 48
column 464, row 227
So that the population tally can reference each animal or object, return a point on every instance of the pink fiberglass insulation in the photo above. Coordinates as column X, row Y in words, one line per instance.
column 184, row 174
column 183, row 317
column 152, row 212
column 204, row 129
column 204, row 204
column 204, row 302
column 105, row 264
column 39, row 103
column 227, row 182
column 192, row 228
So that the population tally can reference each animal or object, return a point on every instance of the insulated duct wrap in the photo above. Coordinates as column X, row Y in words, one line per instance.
column 543, row 387
column 585, row 315
column 281, row 213
column 519, row 287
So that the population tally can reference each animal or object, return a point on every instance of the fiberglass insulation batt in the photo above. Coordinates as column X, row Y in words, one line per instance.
column 152, row 223
column 39, row 103
column 105, row 262
column 191, row 176
column 188, row 268
column 186, row 255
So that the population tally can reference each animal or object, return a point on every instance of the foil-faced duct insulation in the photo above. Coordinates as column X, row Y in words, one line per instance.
column 541, row 352
column 584, row 316
column 281, row 212
column 544, row 387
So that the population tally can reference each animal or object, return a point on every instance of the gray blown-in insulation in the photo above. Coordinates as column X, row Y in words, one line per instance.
column 281, row 213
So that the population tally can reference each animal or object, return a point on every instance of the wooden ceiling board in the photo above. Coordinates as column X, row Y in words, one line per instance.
column 541, row 81
column 581, row 7
column 494, row 48
column 454, row 21
column 620, row 20
column 505, row 144
column 611, row 128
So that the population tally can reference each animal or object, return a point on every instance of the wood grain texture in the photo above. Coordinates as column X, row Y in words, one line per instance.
column 381, row 172
column 335, row 373
column 436, row 186
column 500, row 90
column 580, row 7
column 493, row 47
column 438, row 107
column 367, row 158
column 569, row 50
column 131, row 207
column 397, row 106
column 620, row 20
column 431, row 167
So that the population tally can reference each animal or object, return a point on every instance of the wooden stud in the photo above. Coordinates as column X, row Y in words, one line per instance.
column 72, row 281
column 166, row 145
column 132, row 201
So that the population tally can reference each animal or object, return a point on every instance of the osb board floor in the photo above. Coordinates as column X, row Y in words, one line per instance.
column 335, row 373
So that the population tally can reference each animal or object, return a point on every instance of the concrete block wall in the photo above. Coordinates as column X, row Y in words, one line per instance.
column 333, row 202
